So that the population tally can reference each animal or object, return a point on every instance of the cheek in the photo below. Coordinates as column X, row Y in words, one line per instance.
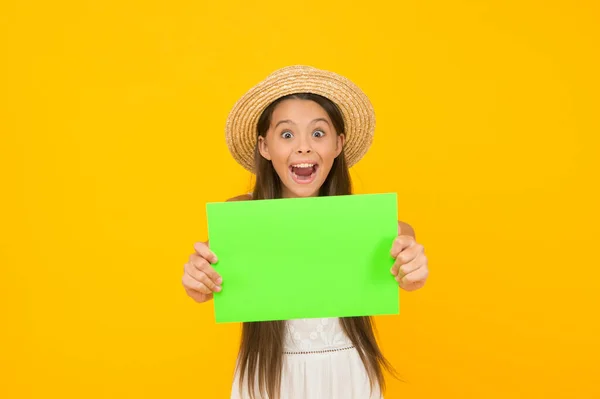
column 279, row 158
column 279, row 154
column 328, row 149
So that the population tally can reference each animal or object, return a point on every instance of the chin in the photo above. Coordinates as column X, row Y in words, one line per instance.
column 302, row 193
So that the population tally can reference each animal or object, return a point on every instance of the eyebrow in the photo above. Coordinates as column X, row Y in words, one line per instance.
column 291, row 122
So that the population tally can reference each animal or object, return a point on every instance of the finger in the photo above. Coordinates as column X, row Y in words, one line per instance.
column 400, row 243
column 415, row 260
column 417, row 276
column 406, row 256
column 202, row 265
column 198, row 297
column 203, row 250
column 194, row 285
column 204, row 279
column 195, row 272
column 413, row 286
column 201, row 276
column 410, row 267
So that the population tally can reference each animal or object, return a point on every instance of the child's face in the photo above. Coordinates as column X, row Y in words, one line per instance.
column 302, row 144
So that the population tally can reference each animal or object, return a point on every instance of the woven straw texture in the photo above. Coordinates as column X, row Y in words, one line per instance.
column 357, row 110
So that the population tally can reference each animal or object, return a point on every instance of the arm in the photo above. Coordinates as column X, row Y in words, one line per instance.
column 405, row 229
column 243, row 197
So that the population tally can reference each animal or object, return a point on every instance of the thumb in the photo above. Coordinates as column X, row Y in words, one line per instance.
column 203, row 250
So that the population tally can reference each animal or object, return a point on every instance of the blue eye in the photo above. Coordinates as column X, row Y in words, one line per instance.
column 318, row 133
column 287, row 135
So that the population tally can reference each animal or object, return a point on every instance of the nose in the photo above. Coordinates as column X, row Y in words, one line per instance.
column 303, row 146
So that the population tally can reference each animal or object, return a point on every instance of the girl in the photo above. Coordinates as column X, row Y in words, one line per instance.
column 299, row 131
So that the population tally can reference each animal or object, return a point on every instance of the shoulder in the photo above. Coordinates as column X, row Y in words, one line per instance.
column 243, row 197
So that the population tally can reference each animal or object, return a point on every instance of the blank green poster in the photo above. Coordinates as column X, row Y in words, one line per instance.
column 304, row 257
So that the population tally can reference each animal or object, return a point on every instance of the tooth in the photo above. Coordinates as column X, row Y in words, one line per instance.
column 303, row 165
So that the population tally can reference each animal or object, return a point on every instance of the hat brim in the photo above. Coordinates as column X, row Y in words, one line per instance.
column 357, row 111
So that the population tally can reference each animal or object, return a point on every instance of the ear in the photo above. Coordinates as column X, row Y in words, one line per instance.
column 263, row 149
column 341, row 139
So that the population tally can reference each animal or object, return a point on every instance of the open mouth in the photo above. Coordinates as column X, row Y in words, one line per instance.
column 304, row 173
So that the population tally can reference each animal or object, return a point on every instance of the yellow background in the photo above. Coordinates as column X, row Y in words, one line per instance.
column 112, row 141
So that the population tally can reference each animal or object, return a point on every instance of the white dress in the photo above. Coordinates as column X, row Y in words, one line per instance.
column 319, row 362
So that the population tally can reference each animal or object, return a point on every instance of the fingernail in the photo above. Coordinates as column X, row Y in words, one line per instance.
column 219, row 280
column 218, row 289
column 392, row 270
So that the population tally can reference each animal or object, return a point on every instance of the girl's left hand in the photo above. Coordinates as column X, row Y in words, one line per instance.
column 410, row 267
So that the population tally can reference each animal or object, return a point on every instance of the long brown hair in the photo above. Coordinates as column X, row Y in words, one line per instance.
column 261, row 348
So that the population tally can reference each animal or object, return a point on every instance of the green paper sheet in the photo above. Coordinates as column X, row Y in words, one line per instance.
column 304, row 257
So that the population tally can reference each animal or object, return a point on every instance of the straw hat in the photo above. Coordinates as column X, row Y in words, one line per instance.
column 357, row 110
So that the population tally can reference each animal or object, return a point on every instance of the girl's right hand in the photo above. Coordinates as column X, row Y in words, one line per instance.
column 200, row 279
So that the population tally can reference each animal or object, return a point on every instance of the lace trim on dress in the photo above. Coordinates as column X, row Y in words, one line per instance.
column 321, row 351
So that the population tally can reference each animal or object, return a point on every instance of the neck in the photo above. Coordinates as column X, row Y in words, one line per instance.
column 289, row 194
